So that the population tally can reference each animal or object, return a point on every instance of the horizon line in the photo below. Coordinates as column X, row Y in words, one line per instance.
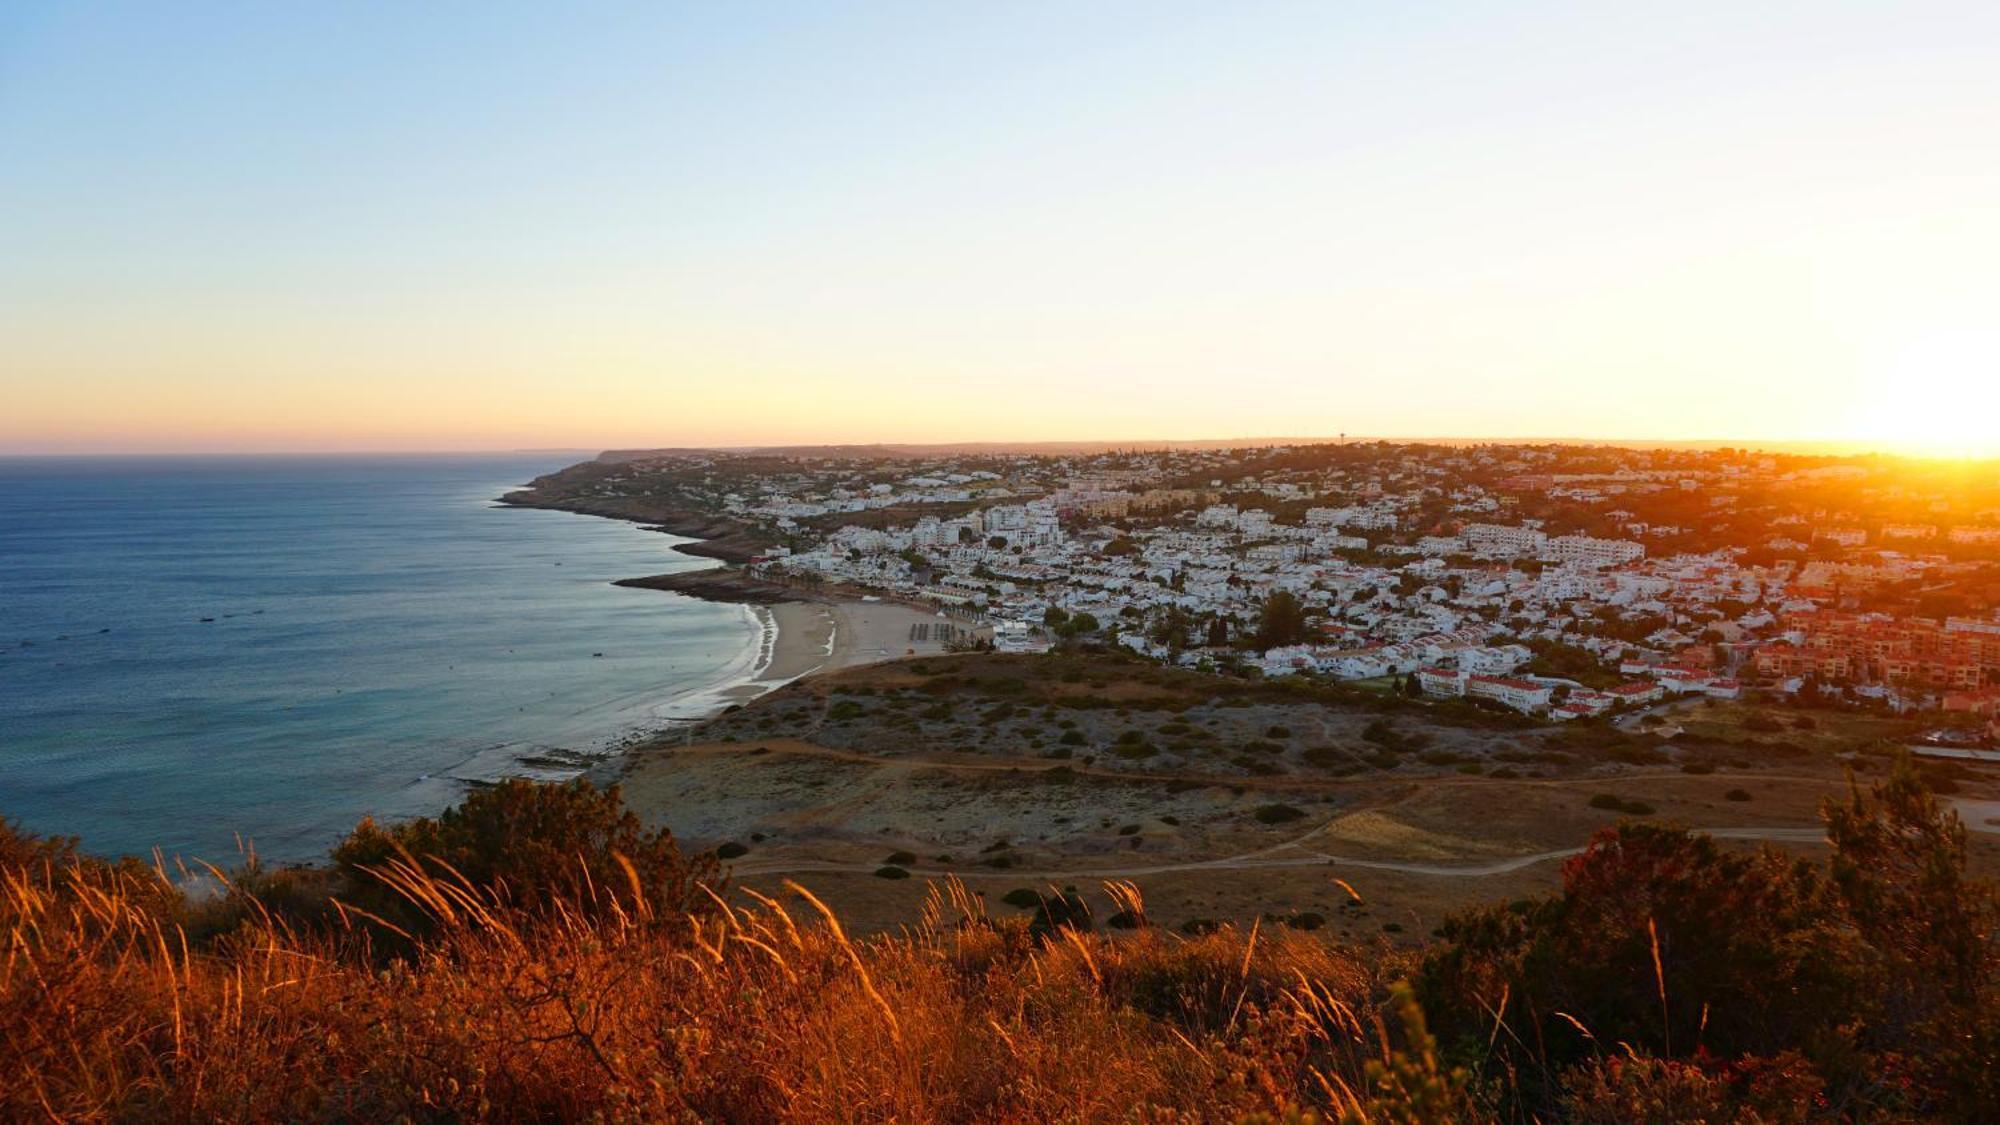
column 1839, row 447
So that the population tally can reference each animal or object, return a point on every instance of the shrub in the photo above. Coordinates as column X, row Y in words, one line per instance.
column 1071, row 737
column 891, row 871
column 731, row 850
column 1021, row 898
column 1276, row 814
column 901, row 859
column 537, row 845
column 1737, row 795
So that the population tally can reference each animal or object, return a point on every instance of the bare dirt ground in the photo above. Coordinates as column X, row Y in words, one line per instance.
column 835, row 779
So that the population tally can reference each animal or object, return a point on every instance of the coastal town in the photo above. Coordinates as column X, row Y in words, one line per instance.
column 1564, row 582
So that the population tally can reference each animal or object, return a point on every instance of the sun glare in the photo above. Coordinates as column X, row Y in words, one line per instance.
column 1938, row 397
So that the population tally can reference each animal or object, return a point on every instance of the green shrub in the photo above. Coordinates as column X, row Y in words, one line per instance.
column 1616, row 803
column 537, row 845
column 1276, row 813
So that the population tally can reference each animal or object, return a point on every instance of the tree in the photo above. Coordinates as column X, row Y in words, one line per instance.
column 1281, row 621
column 1899, row 867
column 1218, row 632
column 1170, row 628
column 536, row 845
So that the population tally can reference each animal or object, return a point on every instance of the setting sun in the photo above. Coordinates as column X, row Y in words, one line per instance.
column 1937, row 397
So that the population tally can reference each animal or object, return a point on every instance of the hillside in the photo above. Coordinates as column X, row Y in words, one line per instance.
column 1224, row 800
column 538, row 955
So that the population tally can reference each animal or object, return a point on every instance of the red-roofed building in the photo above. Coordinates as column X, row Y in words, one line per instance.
column 1441, row 681
column 1638, row 691
column 1521, row 695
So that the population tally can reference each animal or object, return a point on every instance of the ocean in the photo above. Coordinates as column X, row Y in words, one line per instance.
column 200, row 651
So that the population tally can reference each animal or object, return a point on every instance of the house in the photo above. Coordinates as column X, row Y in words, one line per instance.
column 1635, row 693
column 1521, row 695
column 1441, row 681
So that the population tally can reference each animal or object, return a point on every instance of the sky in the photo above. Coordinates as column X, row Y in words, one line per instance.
column 267, row 227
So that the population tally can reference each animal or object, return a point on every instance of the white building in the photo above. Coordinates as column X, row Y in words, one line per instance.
column 1521, row 695
column 1584, row 550
column 1498, row 541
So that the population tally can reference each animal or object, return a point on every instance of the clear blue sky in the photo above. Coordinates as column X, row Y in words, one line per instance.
column 439, row 225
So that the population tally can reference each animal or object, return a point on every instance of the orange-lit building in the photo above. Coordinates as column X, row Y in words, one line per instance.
column 1960, row 653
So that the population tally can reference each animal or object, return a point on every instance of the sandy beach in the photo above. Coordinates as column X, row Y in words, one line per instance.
column 802, row 638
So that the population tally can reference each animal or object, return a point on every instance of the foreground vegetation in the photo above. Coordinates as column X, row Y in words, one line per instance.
column 535, row 955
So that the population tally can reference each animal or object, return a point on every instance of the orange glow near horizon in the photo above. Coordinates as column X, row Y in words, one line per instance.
column 715, row 225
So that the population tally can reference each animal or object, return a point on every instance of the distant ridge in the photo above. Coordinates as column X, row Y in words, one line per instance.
column 913, row 451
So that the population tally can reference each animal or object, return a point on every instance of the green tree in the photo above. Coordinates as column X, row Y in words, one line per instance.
column 1281, row 620
column 536, row 845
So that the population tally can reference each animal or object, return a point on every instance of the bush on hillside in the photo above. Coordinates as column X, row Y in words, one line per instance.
column 533, row 846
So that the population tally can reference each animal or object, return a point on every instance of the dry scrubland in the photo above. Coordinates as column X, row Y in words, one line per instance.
column 1225, row 801
column 537, row 954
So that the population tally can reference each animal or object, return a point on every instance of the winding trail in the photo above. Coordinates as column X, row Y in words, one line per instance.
column 1265, row 859
column 1293, row 853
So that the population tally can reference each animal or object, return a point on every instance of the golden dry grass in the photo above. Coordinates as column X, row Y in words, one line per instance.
column 110, row 1011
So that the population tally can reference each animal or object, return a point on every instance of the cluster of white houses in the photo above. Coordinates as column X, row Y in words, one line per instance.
column 1407, row 565
column 1565, row 699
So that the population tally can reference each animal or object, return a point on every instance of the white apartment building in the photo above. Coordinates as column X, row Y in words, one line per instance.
column 1521, row 695
column 1498, row 541
column 1584, row 550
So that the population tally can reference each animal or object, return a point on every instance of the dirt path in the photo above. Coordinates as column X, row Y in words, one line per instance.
column 1282, row 782
column 1265, row 858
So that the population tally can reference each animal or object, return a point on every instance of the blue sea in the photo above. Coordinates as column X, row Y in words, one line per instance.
column 195, row 652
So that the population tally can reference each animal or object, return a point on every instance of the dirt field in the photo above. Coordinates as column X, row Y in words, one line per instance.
column 1219, row 806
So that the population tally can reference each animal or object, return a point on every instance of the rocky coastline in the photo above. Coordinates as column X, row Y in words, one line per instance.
column 723, row 584
column 720, row 537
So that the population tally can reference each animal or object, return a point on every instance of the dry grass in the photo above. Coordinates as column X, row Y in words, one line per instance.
column 109, row 1011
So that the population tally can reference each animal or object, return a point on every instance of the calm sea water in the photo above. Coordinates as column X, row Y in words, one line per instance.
column 378, row 631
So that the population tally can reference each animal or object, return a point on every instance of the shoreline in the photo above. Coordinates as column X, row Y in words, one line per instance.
column 801, row 634
column 798, row 640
